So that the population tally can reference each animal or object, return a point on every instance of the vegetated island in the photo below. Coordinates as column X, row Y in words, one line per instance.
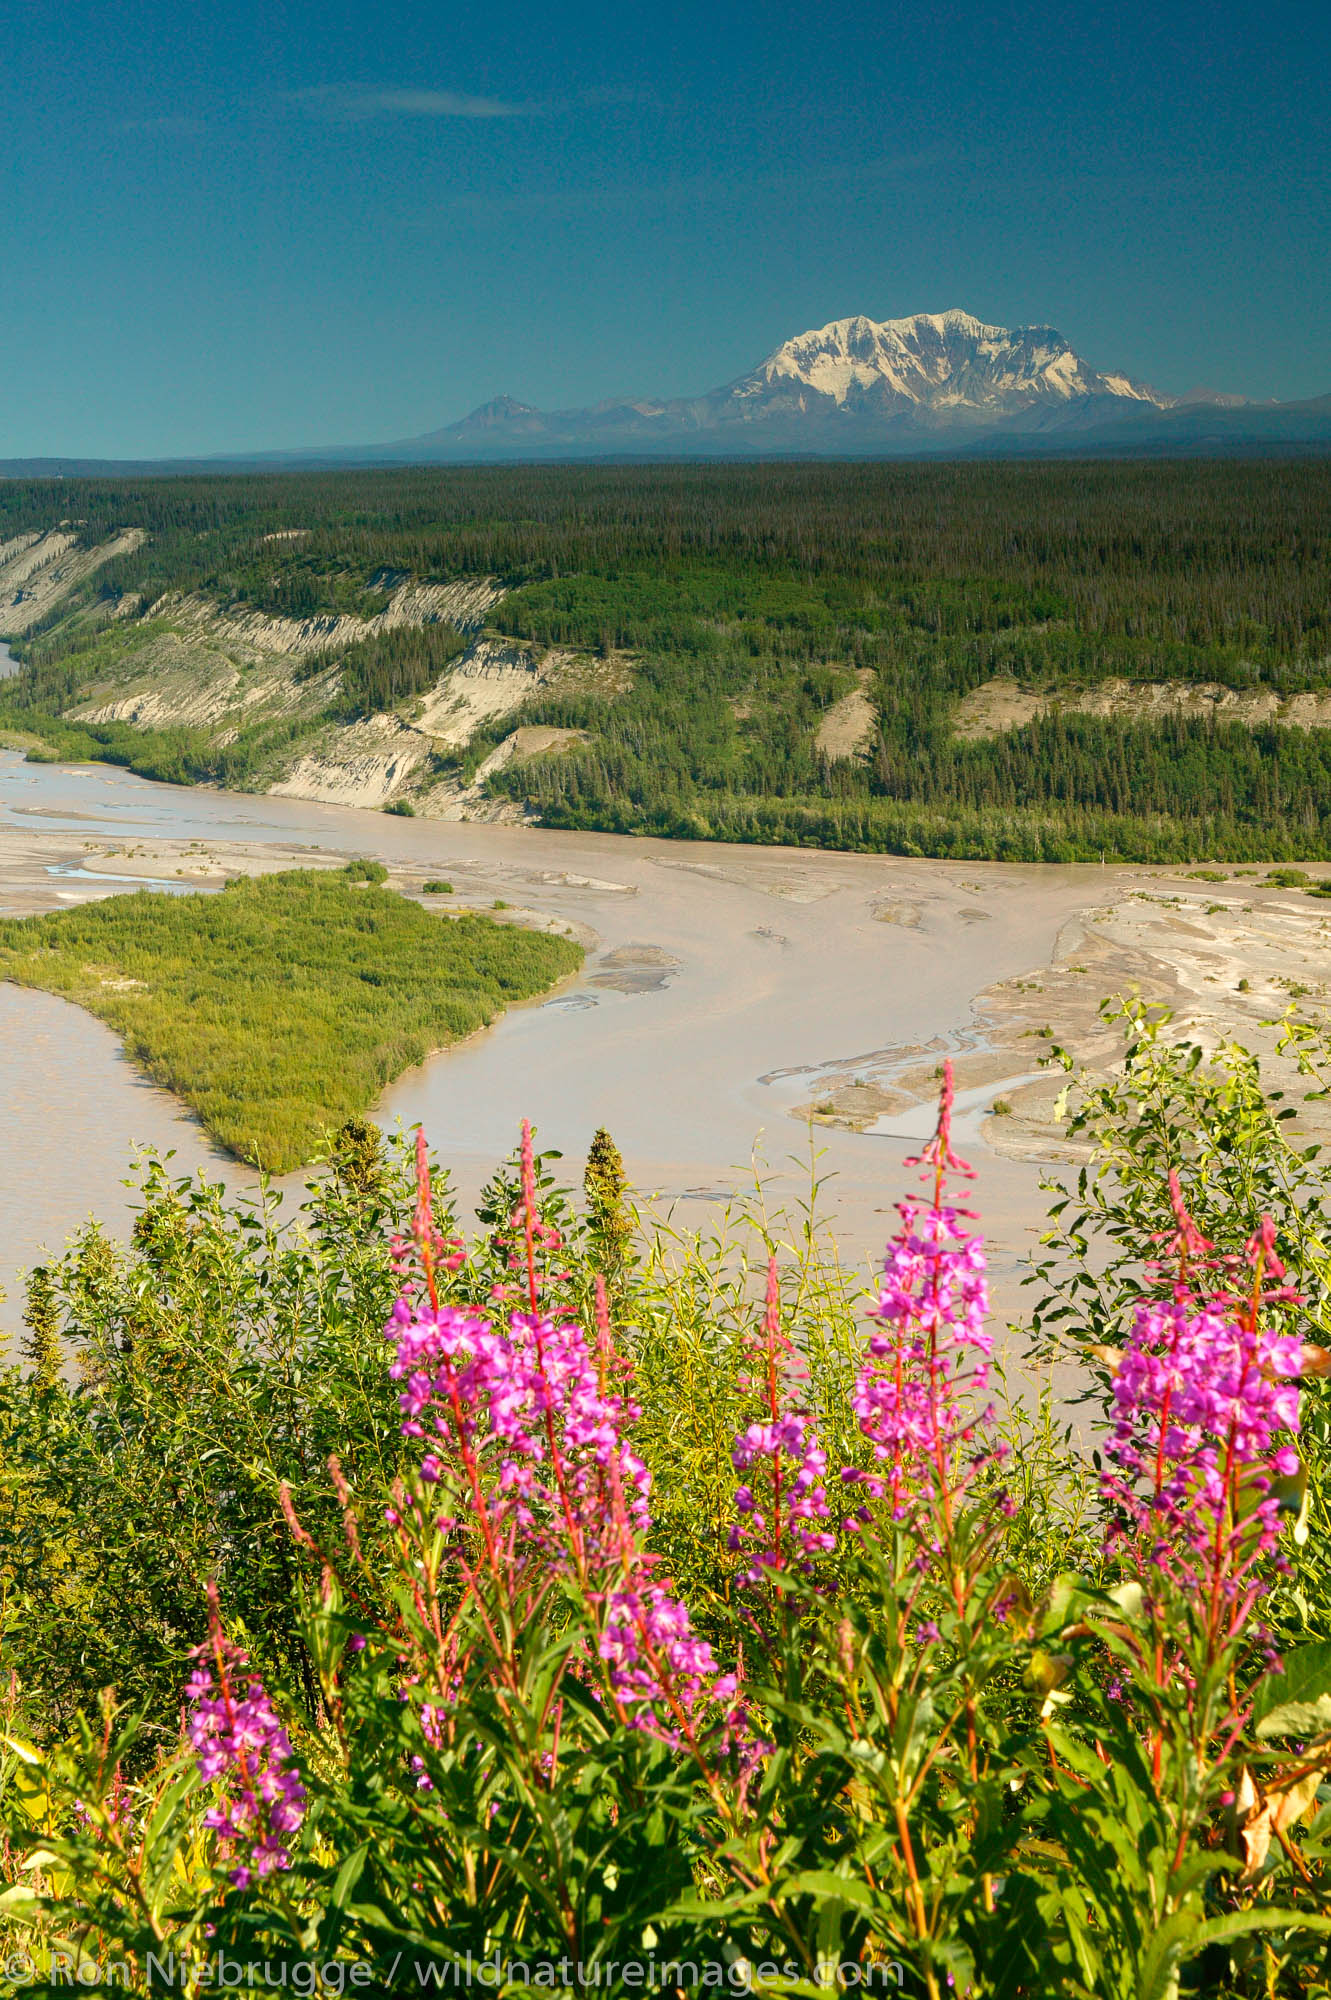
column 280, row 1007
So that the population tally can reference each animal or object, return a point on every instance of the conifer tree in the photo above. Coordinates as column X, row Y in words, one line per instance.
column 606, row 1187
column 41, row 1317
column 358, row 1162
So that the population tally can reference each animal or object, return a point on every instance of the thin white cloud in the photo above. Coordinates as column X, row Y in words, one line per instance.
column 335, row 101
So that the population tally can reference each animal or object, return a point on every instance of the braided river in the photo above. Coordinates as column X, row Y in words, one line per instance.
column 722, row 986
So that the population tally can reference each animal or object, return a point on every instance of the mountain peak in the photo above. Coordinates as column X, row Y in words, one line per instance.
column 500, row 410
column 934, row 361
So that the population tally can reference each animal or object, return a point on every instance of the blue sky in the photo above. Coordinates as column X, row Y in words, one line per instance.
column 269, row 224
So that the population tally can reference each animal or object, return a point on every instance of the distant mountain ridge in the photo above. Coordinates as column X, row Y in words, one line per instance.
column 928, row 383
column 931, row 384
column 843, row 382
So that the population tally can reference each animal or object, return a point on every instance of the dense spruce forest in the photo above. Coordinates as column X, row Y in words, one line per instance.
column 738, row 604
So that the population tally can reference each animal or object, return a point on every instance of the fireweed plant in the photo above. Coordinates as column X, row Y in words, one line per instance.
column 872, row 1742
column 238, row 1740
column 527, row 1477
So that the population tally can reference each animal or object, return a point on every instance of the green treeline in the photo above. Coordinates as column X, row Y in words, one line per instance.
column 1204, row 554
column 749, row 599
column 175, row 756
column 1064, row 787
column 283, row 1006
column 390, row 667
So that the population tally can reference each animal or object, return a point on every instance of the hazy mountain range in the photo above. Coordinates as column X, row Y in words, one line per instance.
column 932, row 384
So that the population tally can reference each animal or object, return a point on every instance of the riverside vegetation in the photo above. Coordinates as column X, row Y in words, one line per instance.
column 723, row 611
column 573, row 1608
column 283, row 1005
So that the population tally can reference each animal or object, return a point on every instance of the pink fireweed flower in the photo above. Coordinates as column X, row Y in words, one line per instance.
column 789, row 1460
column 1204, row 1407
column 115, row 1809
column 424, row 1244
column 938, row 1154
column 918, row 1396
column 524, row 1415
column 1186, row 1243
column 927, row 1362
column 525, row 1398
column 798, row 1497
column 238, row 1742
column 662, row 1672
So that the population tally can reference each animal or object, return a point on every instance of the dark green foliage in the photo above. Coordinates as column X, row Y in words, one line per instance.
column 359, row 1164
column 282, row 1006
column 436, row 888
column 379, row 673
column 671, row 760
column 1157, row 564
column 748, row 597
column 177, row 756
column 218, row 1357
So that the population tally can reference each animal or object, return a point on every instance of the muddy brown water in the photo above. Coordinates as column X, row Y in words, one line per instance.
column 722, row 981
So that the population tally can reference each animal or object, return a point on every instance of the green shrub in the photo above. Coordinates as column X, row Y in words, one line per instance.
column 596, row 1660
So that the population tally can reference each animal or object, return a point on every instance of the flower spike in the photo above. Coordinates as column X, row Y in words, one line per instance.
column 938, row 1154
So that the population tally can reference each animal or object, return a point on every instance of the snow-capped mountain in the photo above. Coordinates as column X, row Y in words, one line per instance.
column 947, row 361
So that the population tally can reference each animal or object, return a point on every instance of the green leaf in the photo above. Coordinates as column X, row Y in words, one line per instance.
column 1128, row 1598
column 24, row 1751
column 348, row 1875
column 21, row 1903
column 1220, row 1929
column 1068, row 1595
column 1306, row 1676
column 820, row 1882
column 1297, row 1718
